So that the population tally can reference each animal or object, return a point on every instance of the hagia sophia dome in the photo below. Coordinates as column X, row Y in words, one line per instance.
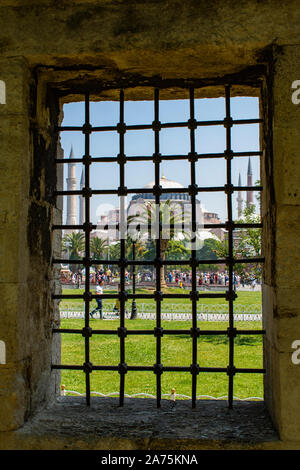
column 165, row 183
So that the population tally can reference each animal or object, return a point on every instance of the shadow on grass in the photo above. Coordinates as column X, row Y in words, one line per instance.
column 255, row 340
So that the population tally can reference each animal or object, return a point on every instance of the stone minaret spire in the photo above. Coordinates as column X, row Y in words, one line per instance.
column 81, row 200
column 239, row 199
column 71, row 186
column 249, row 183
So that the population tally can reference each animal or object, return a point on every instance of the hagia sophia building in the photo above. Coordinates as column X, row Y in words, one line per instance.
column 178, row 198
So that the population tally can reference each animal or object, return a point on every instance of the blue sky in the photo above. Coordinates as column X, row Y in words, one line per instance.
column 209, row 172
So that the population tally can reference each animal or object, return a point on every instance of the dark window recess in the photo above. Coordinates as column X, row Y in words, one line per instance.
column 195, row 332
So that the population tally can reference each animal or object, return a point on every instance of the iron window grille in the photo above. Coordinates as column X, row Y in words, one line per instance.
column 194, row 295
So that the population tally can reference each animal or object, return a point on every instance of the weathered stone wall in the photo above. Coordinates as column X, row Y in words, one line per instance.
column 282, row 319
column 15, row 162
column 26, row 215
column 66, row 43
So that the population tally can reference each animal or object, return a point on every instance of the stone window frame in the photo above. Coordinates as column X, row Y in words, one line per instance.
column 35, row 416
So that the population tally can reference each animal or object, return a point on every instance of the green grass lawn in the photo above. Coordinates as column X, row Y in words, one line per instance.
column 176, row 350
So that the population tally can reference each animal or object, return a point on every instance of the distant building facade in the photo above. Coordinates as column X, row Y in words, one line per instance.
column 106, row 225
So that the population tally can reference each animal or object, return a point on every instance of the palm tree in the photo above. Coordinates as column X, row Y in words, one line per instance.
column 73, row 244
column 115, row 250
column 98, row 246
column 139, row 248
column 171, row 217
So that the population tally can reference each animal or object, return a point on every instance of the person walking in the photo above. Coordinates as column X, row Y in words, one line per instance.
column 99, row 292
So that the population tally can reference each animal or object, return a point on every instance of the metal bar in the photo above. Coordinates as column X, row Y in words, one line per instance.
column 82, row 261
column 142, row 296
column 87, row 249
column 165, row 332
column 92, row 160
column 69, row 227
column 230, row 245
column 157, row 247
column 193, row 250
column 65, row 160
column 135, row 127
column 171, row 226
column 163, row 157
column 123, row 253
column 165, row 368
column 165, row 262
column 163, row 190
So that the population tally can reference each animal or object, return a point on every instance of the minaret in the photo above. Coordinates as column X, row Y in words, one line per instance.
column 249, row 183
column 239, row 199
column 71, row 186
column 81, row 201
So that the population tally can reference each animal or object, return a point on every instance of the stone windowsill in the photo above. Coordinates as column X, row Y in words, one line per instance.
column 70, row 424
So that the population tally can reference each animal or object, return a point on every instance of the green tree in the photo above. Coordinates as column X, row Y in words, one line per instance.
column 177, row 250
column 115, row 251
column 98, row 247
column 250, row 238
column 150, row 249
column 247, row 243
column 139, row 248
column 222, row 248
column 169, row 215
column 73, row 244
column 209, row 252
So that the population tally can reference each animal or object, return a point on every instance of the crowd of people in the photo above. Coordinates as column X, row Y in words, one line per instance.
column 105, row 276
column 211, row 278
column 175, row 277
column 180, row 279
column 96, row 277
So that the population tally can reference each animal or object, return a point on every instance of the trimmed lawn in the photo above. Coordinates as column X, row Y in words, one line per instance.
column 176, row 350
